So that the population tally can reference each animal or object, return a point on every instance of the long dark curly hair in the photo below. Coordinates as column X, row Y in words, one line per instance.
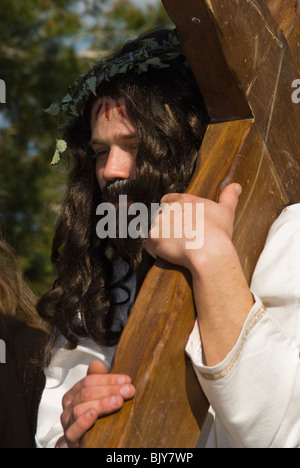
column 169, row 118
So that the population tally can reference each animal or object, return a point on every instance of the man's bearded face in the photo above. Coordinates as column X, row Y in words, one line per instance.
column 114, row 144
column 113, row 141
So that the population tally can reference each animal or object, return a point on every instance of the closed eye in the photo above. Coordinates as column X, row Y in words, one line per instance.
column 101, row 154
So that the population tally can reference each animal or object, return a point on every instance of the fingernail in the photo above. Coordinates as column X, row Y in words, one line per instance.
column 126, row 391
column 89, row 414
column 238, row 188
column 114, row 402
column 121, row 380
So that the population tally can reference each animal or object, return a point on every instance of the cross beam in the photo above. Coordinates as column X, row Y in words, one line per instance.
column 245, row 59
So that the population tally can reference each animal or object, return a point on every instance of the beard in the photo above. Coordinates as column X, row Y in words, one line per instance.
column 137, row 191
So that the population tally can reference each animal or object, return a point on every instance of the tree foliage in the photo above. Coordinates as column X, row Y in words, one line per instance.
column 129, row 21
column 42, row 50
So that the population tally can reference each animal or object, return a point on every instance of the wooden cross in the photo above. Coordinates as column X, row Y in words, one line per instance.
column 245, row 55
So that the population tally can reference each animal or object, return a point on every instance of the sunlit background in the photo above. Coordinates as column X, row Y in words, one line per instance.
column 44, row 45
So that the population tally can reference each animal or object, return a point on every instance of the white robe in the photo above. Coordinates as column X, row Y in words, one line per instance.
column 255, row 392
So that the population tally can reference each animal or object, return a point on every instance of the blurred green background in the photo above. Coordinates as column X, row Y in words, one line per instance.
column 44, row 45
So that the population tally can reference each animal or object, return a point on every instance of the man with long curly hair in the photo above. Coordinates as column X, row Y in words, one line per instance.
column 134, row 127
column 137, row 124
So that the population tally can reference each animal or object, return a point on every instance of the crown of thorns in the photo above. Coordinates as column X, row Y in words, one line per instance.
column 149, row 54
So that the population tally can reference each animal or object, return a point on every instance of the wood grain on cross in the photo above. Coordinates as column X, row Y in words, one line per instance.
column 245, row 56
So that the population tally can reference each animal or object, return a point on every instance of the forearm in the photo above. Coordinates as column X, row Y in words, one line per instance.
column 222, row 296
column 223, row 301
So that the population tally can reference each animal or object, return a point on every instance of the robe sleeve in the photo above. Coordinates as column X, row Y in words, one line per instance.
column 255, row 392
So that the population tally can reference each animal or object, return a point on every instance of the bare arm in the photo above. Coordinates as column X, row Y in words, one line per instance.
column 222, row 296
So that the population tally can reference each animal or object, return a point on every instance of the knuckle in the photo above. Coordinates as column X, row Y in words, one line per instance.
column 76, row 412
column 64, row 419
column 69, row 437
column 85, row 394
column 65, row 401
column 88, row 380
column 112, row 403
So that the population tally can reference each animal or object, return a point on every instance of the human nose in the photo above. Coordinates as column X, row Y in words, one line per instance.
column 118, row 165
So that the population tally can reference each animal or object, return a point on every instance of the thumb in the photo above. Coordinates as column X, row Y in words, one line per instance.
column 96, row 367
column 230, row 196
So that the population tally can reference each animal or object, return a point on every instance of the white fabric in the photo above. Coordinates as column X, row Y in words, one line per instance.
column 255, row 392
column 69, row 367
column 66, row 369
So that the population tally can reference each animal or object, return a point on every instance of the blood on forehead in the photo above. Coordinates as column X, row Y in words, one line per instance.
column 120, row 109
column 98, row 110
column 107, row 105
column 107, row 110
